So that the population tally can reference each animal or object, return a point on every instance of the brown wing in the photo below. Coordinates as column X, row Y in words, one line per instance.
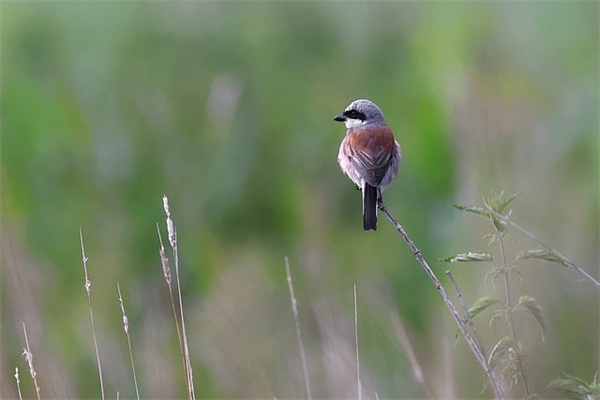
column 371, row 152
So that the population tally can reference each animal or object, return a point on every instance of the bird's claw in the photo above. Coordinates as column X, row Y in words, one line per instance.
column 380, row 202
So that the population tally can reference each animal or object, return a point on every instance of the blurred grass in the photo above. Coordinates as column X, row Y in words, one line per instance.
column 226, row 107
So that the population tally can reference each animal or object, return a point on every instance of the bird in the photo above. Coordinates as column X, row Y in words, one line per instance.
column 369, row 155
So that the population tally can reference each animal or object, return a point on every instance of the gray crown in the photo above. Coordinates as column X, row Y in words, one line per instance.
column 367, row 110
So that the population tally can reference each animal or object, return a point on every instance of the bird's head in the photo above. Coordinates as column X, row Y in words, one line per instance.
column 361, row 113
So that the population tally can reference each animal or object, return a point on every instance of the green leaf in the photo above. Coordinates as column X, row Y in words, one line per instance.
column 531, row 305
column 575, row 388
column 500, row 202
column 468, row 257
column 473, row 209
column 482, row 304
column 591, row 388
column 543, row 255
column 568, row 387
column 502, row 348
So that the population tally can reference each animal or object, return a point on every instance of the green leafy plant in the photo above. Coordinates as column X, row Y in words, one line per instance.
column 576, row 388
column 507, row 356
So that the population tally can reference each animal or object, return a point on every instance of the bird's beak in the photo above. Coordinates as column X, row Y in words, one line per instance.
column 339, row 118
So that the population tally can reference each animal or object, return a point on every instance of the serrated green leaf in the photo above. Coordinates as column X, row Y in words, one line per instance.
column 560, row 383
column 481, row 304
column 473, row 209
column 502, row 348
column 571, row 387
column 591, row 388
column 542, row 255
column 531, row 305
column 498, row 203
column 468, row 257
column 504, row 201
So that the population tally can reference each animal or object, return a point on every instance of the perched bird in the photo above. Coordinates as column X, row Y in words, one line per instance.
column 369, row 155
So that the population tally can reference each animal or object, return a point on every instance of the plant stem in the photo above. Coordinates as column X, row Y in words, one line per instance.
column 505, row 274
column 358, row 384
column 509, row 320
column 496, row 386
column 298, row 332
column 538, row 240
column 467, row 316
column 88, row 285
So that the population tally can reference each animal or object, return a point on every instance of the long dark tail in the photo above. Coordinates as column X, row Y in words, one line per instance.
column 369, row 207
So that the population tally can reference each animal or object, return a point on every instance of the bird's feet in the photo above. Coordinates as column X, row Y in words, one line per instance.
column 380, row 202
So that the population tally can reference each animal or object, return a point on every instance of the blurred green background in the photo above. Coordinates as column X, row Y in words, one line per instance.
column 226, row 108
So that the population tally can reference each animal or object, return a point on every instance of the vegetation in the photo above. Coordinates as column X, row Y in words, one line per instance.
column 226, row 108
column 509, row 355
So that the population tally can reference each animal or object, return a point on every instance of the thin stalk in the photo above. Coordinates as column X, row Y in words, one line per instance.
column 298, row 332
column 88, row 285
column 18, row 382
column 508, row 313
column 358, row 384
column 172, row 234
column 505, row 275
column 548, row 247
column 404, row 341
column 468, row 317
column 496, row 386
column 29, row 358
column 126, row 329
column 167, row 275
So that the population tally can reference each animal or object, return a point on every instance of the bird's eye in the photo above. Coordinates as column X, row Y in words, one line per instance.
column 352, row 114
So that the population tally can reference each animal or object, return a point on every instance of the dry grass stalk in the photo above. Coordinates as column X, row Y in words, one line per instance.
column 88, row 285
column 126, row 329
column 404, row 341
column 172, row 235
column 167, row 274
column 358, row 384
column 298, row 332
column 29, row 359
column 18, row 383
